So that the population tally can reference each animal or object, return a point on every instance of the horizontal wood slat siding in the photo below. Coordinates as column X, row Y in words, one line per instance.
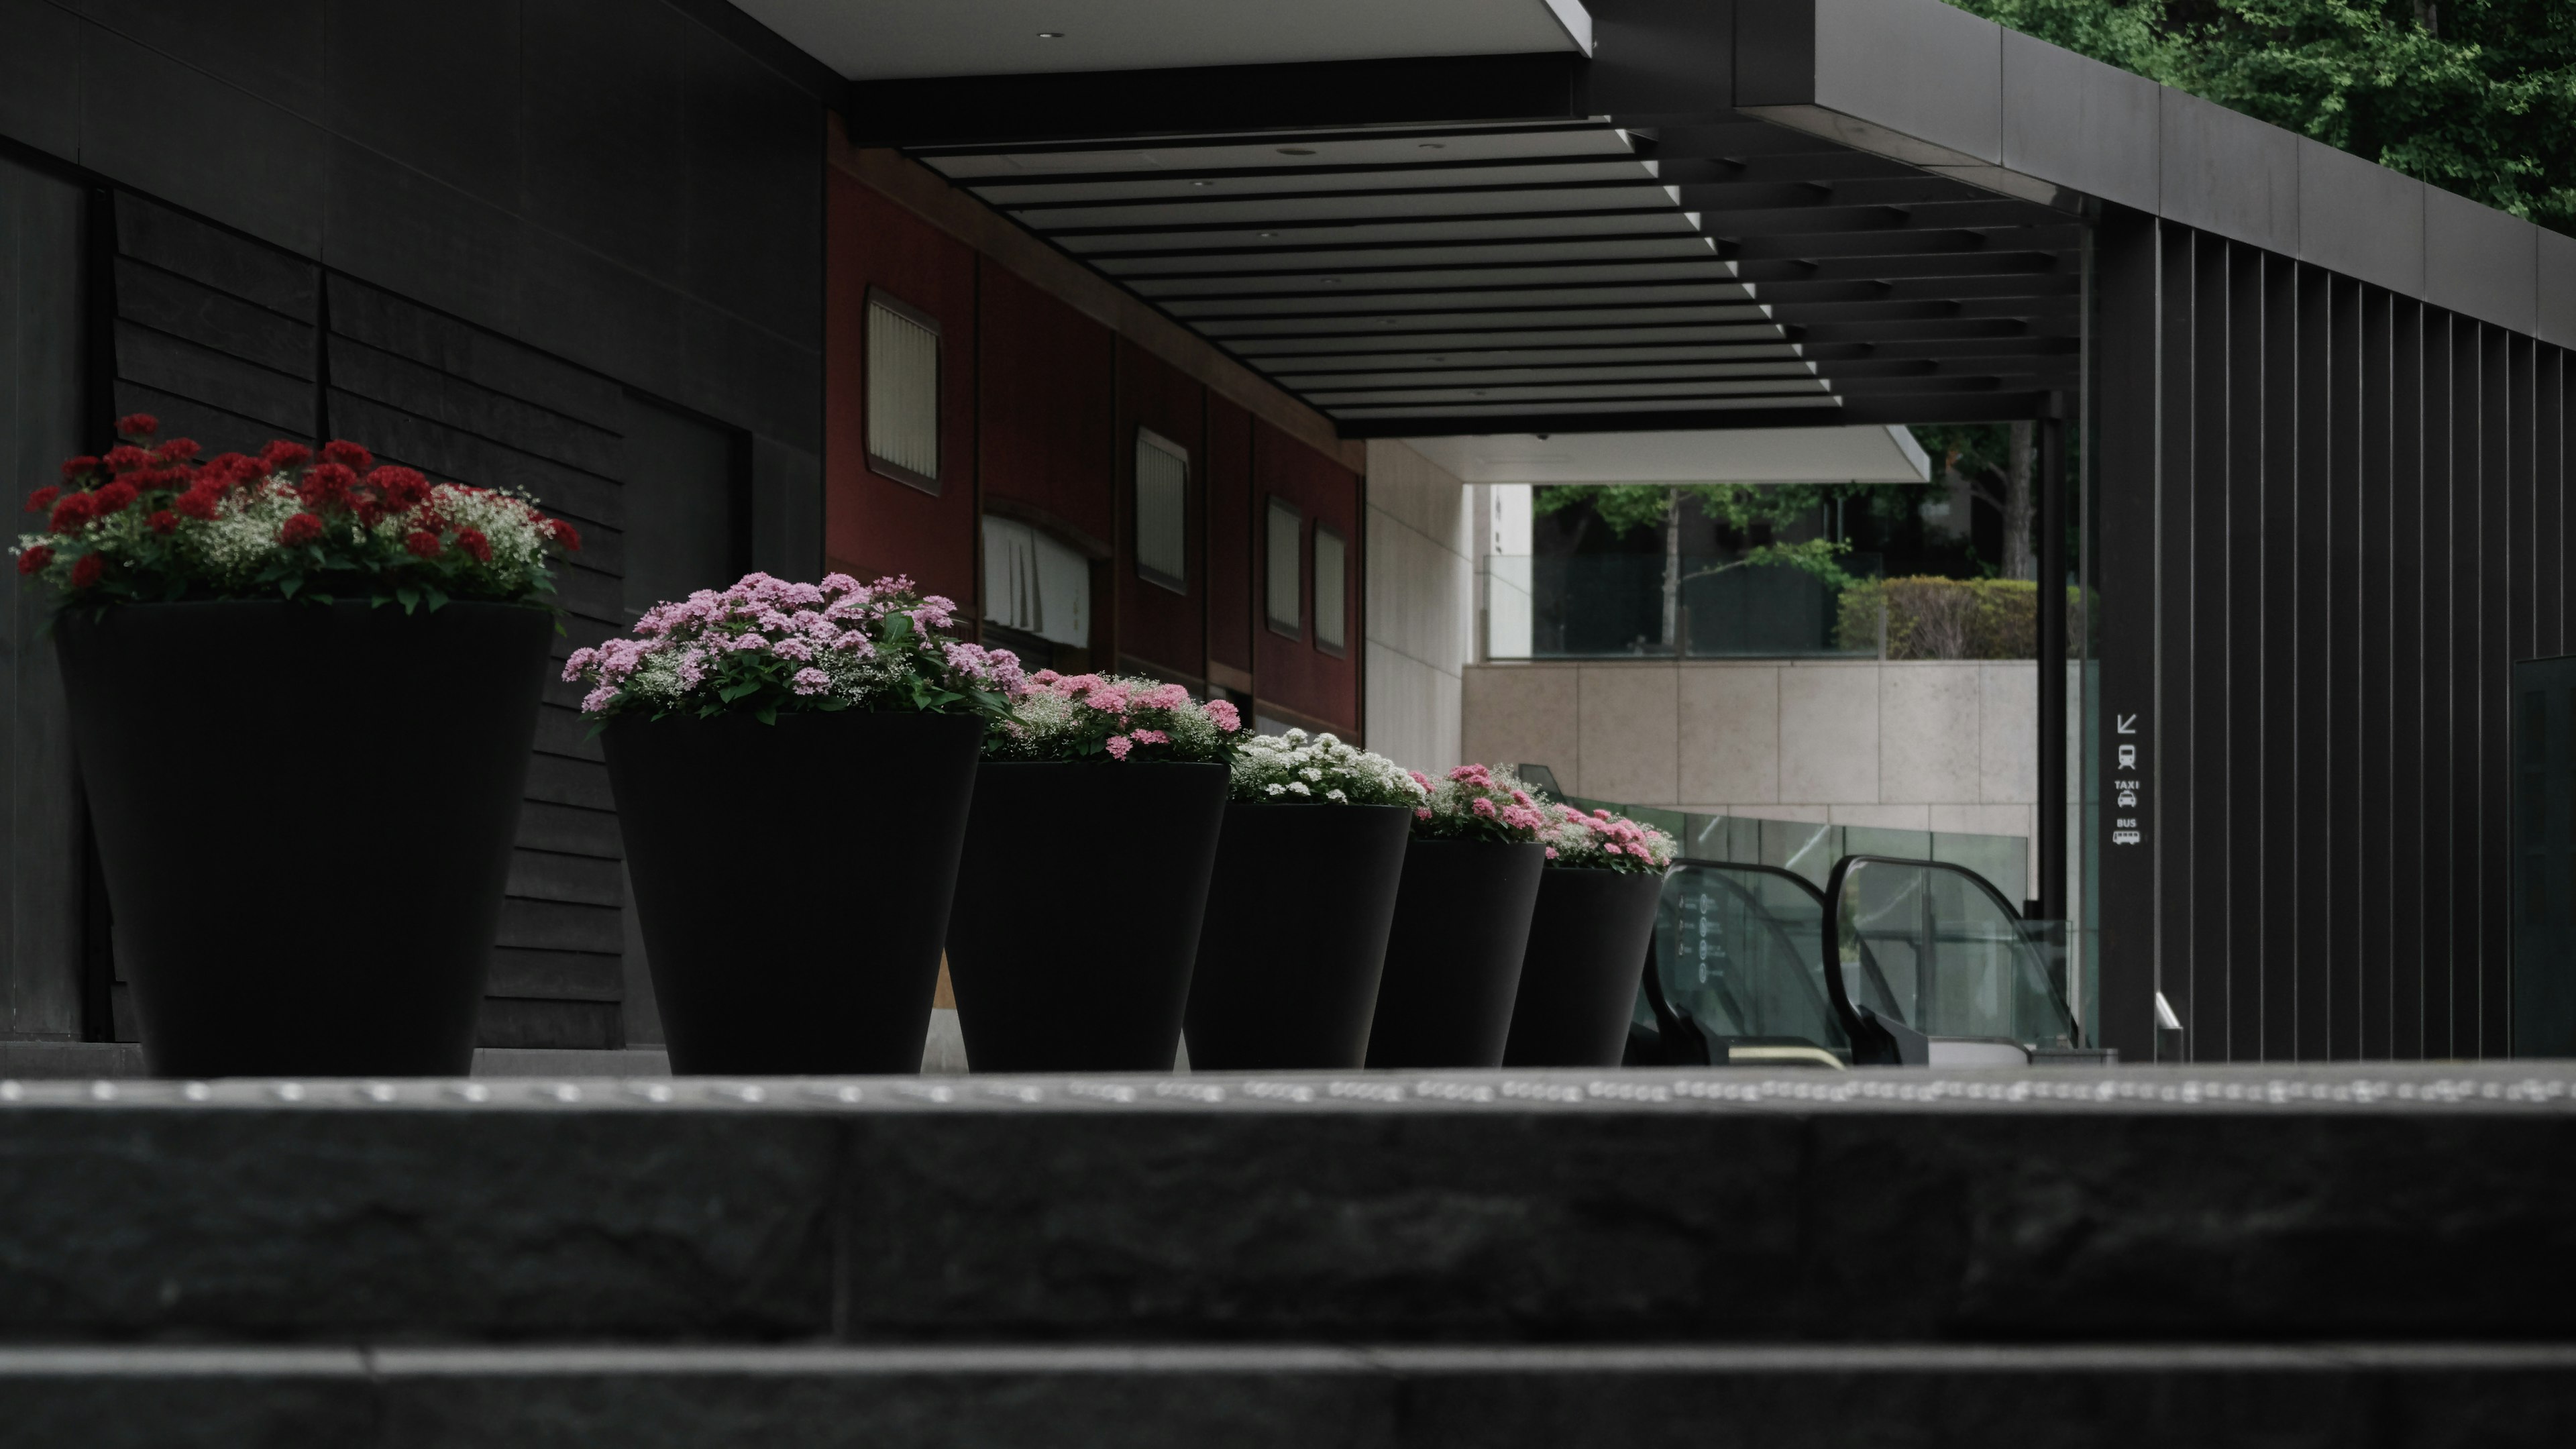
column 233, row 342
column 2333, row 518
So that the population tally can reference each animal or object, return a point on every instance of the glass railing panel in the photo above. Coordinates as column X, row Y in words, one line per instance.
column 2003, row 860
column 1740, row 950
column 1935, row 947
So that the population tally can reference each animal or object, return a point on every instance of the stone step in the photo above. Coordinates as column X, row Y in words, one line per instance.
column 2208, row 1396
column 1711, row 1205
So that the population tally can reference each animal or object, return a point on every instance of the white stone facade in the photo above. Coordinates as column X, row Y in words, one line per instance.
column 1903, row 745
column 1421, row 607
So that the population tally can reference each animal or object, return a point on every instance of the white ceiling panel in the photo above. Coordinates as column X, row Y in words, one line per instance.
column 1759, row 455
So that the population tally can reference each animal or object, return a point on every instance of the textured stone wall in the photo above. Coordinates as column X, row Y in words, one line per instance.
column 1905, row 746
column 1421, row 606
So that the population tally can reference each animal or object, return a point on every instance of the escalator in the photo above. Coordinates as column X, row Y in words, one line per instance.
column 1932, row 968
column 1937, row 969
column 1738, row 972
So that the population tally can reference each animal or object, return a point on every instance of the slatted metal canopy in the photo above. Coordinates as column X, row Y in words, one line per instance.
column 1420, row 279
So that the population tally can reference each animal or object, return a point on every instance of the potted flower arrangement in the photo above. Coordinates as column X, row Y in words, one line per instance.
column 778, row 749
column 1462, row 920
column 1298, row 913
column 1588, row 939
column 303, row 694
column 1099, row 800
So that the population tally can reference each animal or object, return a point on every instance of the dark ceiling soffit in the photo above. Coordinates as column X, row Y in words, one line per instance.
column 2001, row 407
column 1195, row 101
column 767, row 46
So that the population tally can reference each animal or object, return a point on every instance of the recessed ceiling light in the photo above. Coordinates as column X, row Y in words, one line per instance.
column 1440, row 359
column 1203, row 183
column 1435, row 145
column 1050, row 35
column 1332, row 281
column 1295, row 151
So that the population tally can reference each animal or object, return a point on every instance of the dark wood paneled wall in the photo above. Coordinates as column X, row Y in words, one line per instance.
column 43, row 275
column 233, row 342
column 2331, row 518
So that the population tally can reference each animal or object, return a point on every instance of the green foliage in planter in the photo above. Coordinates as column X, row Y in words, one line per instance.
column 1930, row 618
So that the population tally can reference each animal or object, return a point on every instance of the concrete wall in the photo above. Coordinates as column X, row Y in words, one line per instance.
column 1421, row 606
column 1912, row 746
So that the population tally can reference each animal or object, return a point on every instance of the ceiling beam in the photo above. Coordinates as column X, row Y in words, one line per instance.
column 984, row 111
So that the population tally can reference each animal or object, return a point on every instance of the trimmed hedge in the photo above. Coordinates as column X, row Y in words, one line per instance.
column 1931, row 618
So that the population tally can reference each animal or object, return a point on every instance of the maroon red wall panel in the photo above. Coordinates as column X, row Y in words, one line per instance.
column 872, row 523
column 1157, row 624
column 1293, row 672
column 1049, row 409
column 1229, row 534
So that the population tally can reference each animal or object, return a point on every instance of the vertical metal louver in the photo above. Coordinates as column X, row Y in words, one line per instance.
column 1284, row 544
column 1162, row 511
column 903, row 393
column 1331, row 589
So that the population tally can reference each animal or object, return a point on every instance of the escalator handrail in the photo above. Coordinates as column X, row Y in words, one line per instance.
column 1778, row 930
column 1783, row 872
column 1852, row 1020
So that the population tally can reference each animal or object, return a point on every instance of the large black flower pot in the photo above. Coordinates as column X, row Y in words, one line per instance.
column 1296, row 932
column 1587, row 950
column 793, row 881
column 304, row 813
column 1078, row 911
column 1453, row 959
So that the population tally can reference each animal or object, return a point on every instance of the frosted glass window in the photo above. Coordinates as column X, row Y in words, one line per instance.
column 903, row 393
column 1035, row 584
column 1162, row 511
column 1331, row 599
column 1286, row 554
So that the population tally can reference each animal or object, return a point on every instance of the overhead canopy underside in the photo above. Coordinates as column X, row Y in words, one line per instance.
column 1736, row 213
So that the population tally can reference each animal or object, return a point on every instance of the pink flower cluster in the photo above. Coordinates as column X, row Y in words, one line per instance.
column 834, row 643
column 1602, row 840
column 1478, row 804
column 1074, row 715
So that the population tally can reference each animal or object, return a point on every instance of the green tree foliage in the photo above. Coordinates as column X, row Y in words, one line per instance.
column 1624, row 508
column 2474, row 96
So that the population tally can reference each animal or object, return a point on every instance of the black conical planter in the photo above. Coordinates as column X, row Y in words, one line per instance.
column 1078, row 910
column 793, row 881
column 304, row 813
column 1297, row 919
column 1587, row 950
column 1453, row 958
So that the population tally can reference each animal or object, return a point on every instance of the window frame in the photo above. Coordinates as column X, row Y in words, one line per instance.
column 879, row 464
column 1315, row 588
column 1147, row 438
column 1273, row 505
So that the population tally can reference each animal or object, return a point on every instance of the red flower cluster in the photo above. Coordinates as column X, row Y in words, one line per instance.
column 166, row 478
